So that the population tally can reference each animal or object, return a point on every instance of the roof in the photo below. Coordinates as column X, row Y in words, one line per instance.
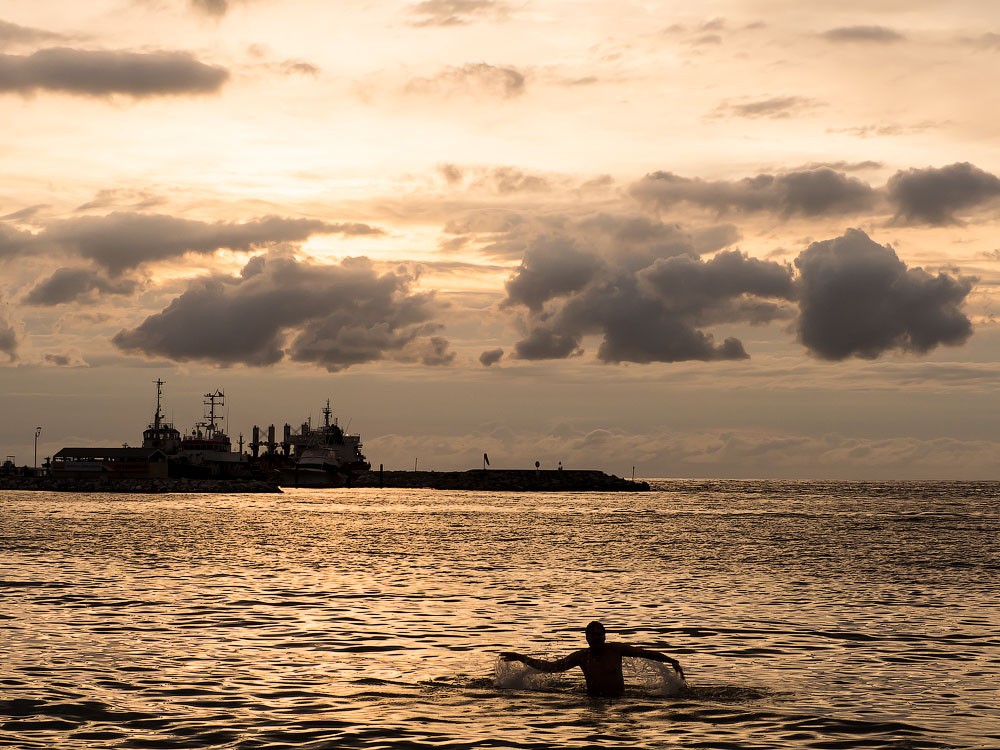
column 117, row 454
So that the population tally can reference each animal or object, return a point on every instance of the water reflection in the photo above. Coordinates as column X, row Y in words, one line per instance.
column 806, row 615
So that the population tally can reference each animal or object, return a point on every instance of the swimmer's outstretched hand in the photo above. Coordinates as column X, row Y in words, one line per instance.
column 511, row 656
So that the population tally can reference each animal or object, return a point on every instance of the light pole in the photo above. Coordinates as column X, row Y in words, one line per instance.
column 38, row 431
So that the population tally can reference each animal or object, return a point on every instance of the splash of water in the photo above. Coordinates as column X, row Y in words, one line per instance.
column 649, row 677
column 513, row 675
column 653, row 677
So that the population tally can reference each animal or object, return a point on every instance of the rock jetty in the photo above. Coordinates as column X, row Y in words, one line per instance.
column 502, row 480
column 139, row 486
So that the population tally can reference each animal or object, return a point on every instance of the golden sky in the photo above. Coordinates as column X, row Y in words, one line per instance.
column 743, row 238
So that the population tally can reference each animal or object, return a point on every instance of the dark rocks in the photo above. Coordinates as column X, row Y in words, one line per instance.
column 502, row 480
column 137, row 485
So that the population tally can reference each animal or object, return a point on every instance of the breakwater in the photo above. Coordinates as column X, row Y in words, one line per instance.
column 502, row 480
column 494, row 480
column 137, row 485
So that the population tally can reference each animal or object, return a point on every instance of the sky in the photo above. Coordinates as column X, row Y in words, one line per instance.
column 724, row 238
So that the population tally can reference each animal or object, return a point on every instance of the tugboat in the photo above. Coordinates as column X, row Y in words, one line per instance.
column 326, row 456
column 205, row 452
column 159, row 433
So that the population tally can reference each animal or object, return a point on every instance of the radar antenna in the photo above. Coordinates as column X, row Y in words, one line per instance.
column 211, row 398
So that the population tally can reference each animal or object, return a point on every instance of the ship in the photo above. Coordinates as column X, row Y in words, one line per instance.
column 325, row 456
column 206, row 451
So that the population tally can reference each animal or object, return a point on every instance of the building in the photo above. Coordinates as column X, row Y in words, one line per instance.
column 121, row 463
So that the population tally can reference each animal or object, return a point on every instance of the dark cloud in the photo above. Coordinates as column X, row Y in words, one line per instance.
column 776, row 107
column 15, row 242
column 457, row 12
column 642, row 288
column 76, row 284
column 500, row 81
column 103, row 73
column 876, row 34
column 11, row 34
column 65, row 360
column 490, row 357
column 551, row 267
column 215, row 8
column 8, row 338
column 433, row 351
column 122, row 241
column 331, row 315
column 933, row 196
column 857, row 298
column 545, row 343
column 814, row 192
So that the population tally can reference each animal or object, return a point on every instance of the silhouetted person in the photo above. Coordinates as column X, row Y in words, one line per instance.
column 601, row 662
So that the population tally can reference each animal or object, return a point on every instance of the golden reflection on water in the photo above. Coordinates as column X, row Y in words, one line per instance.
column 805, row 614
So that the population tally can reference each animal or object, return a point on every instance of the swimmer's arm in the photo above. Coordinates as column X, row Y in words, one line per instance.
column 642, row 653
column 559, row 665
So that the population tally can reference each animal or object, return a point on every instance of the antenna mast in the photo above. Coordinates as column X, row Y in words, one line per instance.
column 157, row 417
column 210, row 403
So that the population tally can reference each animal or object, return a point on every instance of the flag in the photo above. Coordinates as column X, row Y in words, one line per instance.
column 486, row 459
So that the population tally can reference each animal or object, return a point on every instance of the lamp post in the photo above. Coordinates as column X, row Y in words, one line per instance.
column 38, row 431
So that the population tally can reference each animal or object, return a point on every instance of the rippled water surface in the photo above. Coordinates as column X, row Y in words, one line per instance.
column 812, row 615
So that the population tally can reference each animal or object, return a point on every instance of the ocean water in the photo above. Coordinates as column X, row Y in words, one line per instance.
column 806, row 615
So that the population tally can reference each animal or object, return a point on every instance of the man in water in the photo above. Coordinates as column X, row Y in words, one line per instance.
column 601, row 662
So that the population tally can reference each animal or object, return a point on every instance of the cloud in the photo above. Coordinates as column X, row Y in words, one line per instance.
column 25, row 214
column 545, row 343
column 871, row 34
column 811, row 192
column 8, row 339
column 104, row 73
column 15, row 242
column 889, row 129
column 215, row 8
column 490, row 357
column 73, row 359
column 776, row 107
column 331, row 315
column 11, row 34
column 551, row 267
column 933, row 195
column 137, row 200
column 457, row 12
column 650, row 301
column 497, row 180
column 857, row 298
column 122, row 241
column 988, row 41
column 473, row 79
column 76, row 284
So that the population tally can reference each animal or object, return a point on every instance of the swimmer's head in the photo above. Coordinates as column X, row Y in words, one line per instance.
column 596, row 634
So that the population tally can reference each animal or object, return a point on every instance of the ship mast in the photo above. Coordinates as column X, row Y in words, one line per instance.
column 157, row 417
column 326, row 414
column 210, row 403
